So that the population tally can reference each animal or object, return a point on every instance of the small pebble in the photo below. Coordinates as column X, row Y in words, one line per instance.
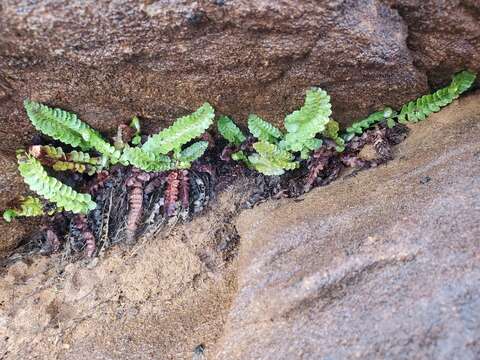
column 425, row 180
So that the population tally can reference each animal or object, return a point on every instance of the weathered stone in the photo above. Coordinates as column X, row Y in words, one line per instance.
column 385, row 265
column 110, row 60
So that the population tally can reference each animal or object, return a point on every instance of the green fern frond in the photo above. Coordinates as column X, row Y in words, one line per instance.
column 68, row 128
column 230, row 131
column 50, row 188
column 76, row 161
column 29, row 206
column 419, row 109
column 271, row 160
column 304, row 124
column 181, row 132
column 144, row 160
column 263, row 130
column 264, row 165
column 358, row 127
column 188, row 155
column 57, row 123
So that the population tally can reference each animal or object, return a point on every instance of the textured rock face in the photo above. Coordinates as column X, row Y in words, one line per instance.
column 385, row 265
column 110, row 60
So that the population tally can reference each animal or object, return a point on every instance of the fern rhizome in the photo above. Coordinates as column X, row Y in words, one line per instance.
column 118, row 191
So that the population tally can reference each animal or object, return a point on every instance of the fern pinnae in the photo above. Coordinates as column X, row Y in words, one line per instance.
column 144, row 160
column 462, row 81
column 304, row 124
column 231, row 132
column 181, row 131
column 51, row 189
column 191, row 153
column 29, row 206
column 263, row 130
column 421, row 108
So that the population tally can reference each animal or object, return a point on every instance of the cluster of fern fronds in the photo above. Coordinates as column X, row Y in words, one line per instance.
column 272, row 152
column 310, row 137
column 171, row 151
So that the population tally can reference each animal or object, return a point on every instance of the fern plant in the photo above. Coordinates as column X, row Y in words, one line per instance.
column 29, row 206
column 154, row 154
column 306, row 123
column 63, row 196
column 275, row 151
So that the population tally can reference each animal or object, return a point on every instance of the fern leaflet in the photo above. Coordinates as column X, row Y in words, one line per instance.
column 144, row 160
column 230, row 131
column 191, row 153
column 263, row 130
column 181, row 132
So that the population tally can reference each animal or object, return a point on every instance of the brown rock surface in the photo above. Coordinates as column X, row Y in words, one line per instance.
column 110, row 60
column 384, row 265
